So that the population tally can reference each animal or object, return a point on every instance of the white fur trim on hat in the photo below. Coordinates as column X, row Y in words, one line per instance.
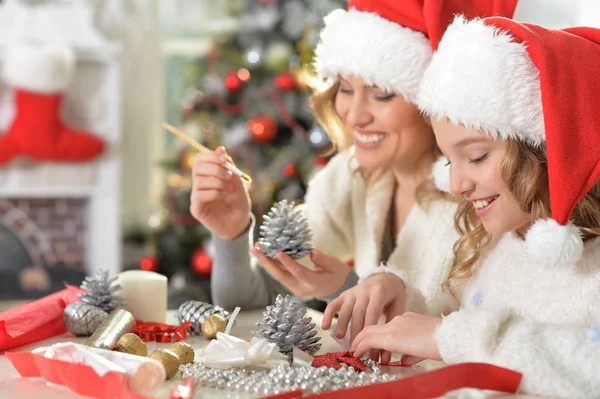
column 552, row 244
column 39, row 67
column 440, row 172
column 367, row 46
column 481, row 78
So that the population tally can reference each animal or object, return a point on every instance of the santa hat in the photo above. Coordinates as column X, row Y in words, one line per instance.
column 536, row 85
column 389, row 43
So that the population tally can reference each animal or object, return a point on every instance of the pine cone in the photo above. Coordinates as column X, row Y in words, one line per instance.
column 82, row 319
column 285, row 230
column 284, row 324
column 101, row 291
column 196, row 312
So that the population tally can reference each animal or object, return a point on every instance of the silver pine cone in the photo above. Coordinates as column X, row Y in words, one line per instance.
column 284, row 324
column 196, row 312
column 82, row 319
column 102, row 291
column 285, row 230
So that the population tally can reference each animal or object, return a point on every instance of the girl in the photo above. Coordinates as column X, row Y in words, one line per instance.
column 374, row 201
column 514, row 109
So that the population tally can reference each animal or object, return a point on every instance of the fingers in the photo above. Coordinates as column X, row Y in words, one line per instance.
column 325, row 262
column 210, row 170
column 330, row 311
column 395, row 309
column 408, row 360
column 358, row 317
column 369, row 338
column 204, row 196
column 293, row 267
column 386, row 357
column 344, row 317
column 277, row 272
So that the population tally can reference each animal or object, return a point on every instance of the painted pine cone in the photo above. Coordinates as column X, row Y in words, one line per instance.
column 196, row 312
column 285, row 230
column 83, row 319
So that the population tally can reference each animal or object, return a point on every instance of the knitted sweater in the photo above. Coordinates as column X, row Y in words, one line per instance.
column 347, row 214
column 541, row 321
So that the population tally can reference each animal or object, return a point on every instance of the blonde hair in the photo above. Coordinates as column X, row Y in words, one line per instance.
column 525, row 171
column 322, row 102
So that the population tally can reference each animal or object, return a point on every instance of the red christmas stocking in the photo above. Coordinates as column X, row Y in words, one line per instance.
column 38, row 133
column 40, row 74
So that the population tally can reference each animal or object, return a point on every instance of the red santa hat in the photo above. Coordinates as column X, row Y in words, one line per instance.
column 540, row 86
column 389, row 43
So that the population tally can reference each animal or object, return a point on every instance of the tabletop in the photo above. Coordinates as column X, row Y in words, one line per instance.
column 13, row 387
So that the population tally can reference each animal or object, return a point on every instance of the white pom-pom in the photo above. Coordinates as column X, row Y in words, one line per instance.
column 441, row 174
column 552, row 244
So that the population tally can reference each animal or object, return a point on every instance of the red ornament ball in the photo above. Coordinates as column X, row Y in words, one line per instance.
column 289, row 170
column 285, row 81
column 149, row 263
column 233, row 83
column 201, row 263
column 263, row 129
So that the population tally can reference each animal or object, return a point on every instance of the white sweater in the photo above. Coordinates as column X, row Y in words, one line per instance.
column 347, row 213
column 541, row 321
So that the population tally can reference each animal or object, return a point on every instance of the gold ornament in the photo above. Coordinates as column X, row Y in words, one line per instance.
column 168, row 359
column 212, row 325
column 131, row 343
column 184, row 352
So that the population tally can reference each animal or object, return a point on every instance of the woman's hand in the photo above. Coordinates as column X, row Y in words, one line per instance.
column 219, row 199
column 379, row 295
column 329, row 275
column 411, row 334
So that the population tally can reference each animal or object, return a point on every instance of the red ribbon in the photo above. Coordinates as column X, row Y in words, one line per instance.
column 160, row 332
column 432, row 384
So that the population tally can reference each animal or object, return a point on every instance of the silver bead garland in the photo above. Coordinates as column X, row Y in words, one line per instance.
column 285, row 378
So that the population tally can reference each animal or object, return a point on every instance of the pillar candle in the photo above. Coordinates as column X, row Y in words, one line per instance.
column 145, row 295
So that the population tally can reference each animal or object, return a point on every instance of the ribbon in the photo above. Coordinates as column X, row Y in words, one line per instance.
column 227, row 351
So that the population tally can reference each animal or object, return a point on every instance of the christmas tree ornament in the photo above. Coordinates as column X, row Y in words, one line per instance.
column 263, row 129
column 132, row 344
column 40, row 75
column 285, row 230
column 102, row 291
column 168, row 359
column 213, row 325
column 82, row 319
column 278, row 56
column 318, row 138
column 201, row 263
column 285, row 81
column 289, row 170
column 183, row 351
column 212, row 84
column 111, row 330
column 196, row 312
column 233, row 83
column 284, row 324
column 254, row 56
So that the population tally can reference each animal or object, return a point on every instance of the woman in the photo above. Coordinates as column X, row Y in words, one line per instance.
column 514, row 110
column 374, row 202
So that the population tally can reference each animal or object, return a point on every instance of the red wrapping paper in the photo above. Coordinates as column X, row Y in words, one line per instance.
column 79, row 378
column 432, row 384
column 36, row 320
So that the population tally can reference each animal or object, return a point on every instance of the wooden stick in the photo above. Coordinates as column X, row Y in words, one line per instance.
column 200, row 147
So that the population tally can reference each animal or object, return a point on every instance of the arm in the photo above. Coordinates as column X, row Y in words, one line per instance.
column 237, row 279
column 556, row 360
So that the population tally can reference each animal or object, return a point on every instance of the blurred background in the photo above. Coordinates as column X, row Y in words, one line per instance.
column 226, row 72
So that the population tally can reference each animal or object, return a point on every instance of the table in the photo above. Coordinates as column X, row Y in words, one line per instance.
column 13, row 387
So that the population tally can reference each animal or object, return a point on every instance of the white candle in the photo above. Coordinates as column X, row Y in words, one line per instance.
column 145, row 295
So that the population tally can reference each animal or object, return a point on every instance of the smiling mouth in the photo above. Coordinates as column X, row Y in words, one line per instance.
column 484, row 203
column 369, row 138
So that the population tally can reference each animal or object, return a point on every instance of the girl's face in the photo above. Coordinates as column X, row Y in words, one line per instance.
column 476, row 174
column 386, row 129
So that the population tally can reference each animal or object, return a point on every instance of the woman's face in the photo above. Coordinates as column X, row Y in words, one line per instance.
column 476, row 174
column 387, row 130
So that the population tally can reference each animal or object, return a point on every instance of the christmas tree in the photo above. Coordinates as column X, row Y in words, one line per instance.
column 251, row 96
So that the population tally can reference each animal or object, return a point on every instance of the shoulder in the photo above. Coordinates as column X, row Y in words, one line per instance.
column 336, row 180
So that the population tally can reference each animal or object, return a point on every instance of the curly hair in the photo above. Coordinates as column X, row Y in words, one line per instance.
column 322, row 102
column 525, row 171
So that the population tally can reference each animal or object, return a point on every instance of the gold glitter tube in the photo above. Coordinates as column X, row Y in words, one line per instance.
column 117, row 323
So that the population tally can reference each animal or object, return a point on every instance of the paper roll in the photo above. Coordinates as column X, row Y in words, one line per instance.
column 145, row 295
